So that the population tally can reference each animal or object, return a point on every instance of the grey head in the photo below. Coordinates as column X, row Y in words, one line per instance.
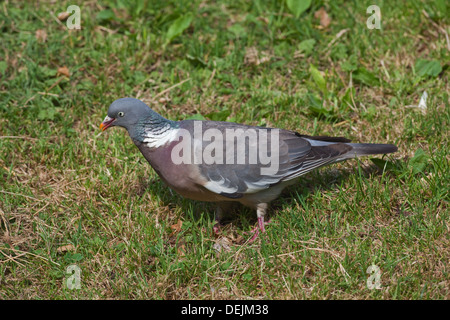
column 135, row 116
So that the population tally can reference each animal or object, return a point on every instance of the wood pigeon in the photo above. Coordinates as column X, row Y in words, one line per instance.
column 227, row 162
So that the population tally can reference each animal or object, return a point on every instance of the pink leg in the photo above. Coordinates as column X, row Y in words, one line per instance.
column 264, row 223
column 261, row 224
column 261, row 209
column 256, row 230
column 216, row 228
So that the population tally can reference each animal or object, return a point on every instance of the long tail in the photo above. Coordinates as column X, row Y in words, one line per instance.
column 363, row 149
column 327, row 150
column 358, row 149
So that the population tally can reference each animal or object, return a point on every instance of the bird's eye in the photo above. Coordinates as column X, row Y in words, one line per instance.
column 120, row 114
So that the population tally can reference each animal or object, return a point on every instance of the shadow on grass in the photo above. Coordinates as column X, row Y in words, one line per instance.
column 243, row 217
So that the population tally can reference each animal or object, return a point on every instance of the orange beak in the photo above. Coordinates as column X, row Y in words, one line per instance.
column 106, row 123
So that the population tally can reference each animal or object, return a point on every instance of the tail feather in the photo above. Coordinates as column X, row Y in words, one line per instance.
column 362, row 149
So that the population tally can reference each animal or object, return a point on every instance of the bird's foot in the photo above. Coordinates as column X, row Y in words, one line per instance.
column 217, row 227
column 259, row 228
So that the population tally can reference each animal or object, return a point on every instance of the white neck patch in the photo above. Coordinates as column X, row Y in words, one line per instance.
column 159, row 139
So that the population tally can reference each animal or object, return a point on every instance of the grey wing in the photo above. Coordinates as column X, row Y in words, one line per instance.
column 235, row 179
column 291, row 156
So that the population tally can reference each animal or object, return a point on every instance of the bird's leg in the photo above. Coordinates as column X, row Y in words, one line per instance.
column 264, row 223
column 261, row 210
column 221, row 209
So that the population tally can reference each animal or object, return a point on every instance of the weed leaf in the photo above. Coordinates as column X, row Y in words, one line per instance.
column 219, row 116
column 297, row 7
column 419, row 161
column 318, row 79
column 426, row 68
column 178, row 26
column 364, row 76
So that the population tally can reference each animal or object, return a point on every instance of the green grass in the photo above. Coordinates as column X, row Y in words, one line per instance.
column 72, row 195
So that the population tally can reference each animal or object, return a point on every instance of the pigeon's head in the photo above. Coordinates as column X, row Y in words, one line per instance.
column 126, row 113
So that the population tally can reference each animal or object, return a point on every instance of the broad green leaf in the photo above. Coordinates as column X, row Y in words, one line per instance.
column 419, row 161
column 351, row 64
column 47, row 72
column 196, row 61
column 297, row 7
column 237, row 29
column 317, row 107
column 106, row 15
column 219, row 116
column 370, row 112
column 178, row 26
column 427, row 68
column 366, row 77
column 224, row 266
column 307, row 46
column 73, row 257
column 47, row 114
column 247, row 276
column 318, row 78
column 382, row 164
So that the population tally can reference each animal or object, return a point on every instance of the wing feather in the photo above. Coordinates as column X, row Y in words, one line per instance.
column 297, row 155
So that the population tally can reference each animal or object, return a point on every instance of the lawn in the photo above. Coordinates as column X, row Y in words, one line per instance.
column 78, row 203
